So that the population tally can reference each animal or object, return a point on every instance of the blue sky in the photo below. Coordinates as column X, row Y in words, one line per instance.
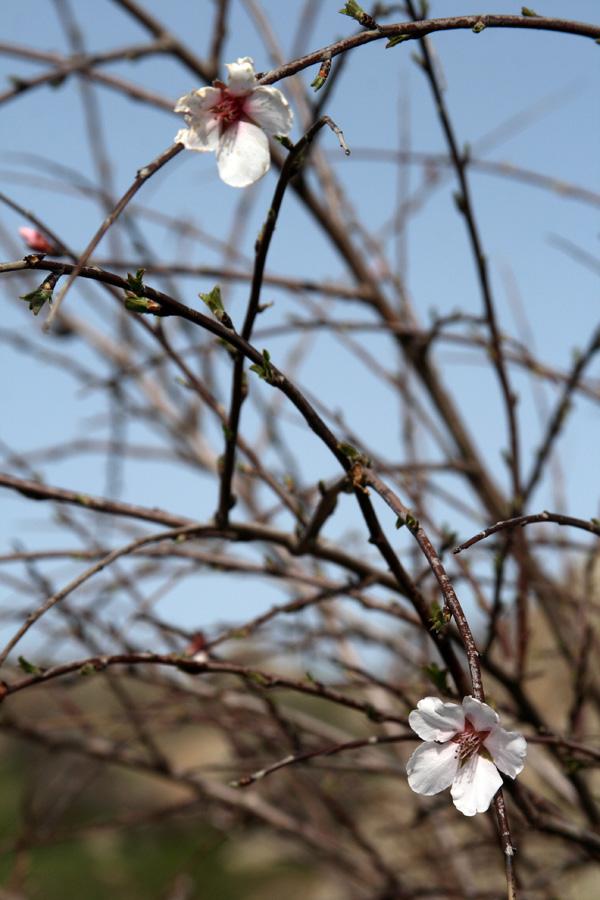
column 381, row 102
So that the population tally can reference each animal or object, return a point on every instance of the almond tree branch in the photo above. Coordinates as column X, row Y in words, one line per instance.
column 161, row 33
column 557, row 420
column 142, row 176
column 238, row 385
column 592, row 525
column 450, row 599
column 424, row 27
column 265, row 680
column 465, row 206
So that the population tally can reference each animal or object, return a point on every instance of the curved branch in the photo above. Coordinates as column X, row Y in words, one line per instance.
column 415, row 30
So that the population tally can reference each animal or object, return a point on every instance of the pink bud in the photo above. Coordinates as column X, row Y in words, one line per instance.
column 35, row 240
column 195, row 649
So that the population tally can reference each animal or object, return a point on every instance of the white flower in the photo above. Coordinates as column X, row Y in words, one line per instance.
column 234, row 119
column 464, row 747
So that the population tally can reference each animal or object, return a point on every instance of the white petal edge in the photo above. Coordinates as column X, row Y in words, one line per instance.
column 197, row 103
column 241, row 76
column 434, row 720
column 508, row 750
column 268, row 108
column 480, row 715
column 202, row 139
column 243, row 155
column 475, row 786
column 432, row 768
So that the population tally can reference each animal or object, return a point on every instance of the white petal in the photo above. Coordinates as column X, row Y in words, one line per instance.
column 243, row 155
column 481, row 716
column 268, row 108
column 508, row 750
column 432, row 768
column 198, row 102
column 241, row 76
column 434, row 720
column 202, row 137
column 475, row 785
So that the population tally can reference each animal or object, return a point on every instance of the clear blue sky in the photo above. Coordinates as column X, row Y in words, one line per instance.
column 381, row 102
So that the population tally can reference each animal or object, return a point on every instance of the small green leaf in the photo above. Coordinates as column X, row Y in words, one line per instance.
column 525, row 11
column 348, row 450
column 479, row 26
column 215, row 304
column 28, row 667
column 398, row 39
column 411, row 523
column 438, row 676
column 323, row 73
column 213, row 301
column 135, row 282
column 43, row 293
column 37, row 298
column 134, row 299
column 265, row 370
column 136, row 304
column 439, row 617
column 88, row 669
column 355, row 11
column 284, row 141
column 352, row 453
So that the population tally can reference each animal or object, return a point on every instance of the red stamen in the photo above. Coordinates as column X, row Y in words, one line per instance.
column 468, row 741
column 228, row 109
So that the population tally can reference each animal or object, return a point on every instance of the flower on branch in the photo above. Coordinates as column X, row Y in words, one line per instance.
column 35, row 240
column 463, row 749
column 234, row 120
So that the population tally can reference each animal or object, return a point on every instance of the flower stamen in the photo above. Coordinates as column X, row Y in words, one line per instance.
column 229, row 109
column 468, row 743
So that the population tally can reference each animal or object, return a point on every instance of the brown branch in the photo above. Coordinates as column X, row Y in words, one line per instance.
column 84, row 65
column 465, row 206
column 166, row 37
column 450, row 599
column 557, row 420
column 142, row 176
column 119, row 552
column 235, row 531
column 264, row 680
column 238, row 385
column 424, row 27
column 558, row 518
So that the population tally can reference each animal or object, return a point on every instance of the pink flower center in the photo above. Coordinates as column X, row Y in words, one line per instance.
column 468, row 742
column 229, row 108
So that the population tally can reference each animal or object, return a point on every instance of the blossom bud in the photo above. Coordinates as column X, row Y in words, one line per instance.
column 35, row 240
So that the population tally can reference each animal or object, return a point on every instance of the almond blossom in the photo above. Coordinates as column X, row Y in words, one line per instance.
column 234, row 120
column 35, row 240
column 464, row 749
